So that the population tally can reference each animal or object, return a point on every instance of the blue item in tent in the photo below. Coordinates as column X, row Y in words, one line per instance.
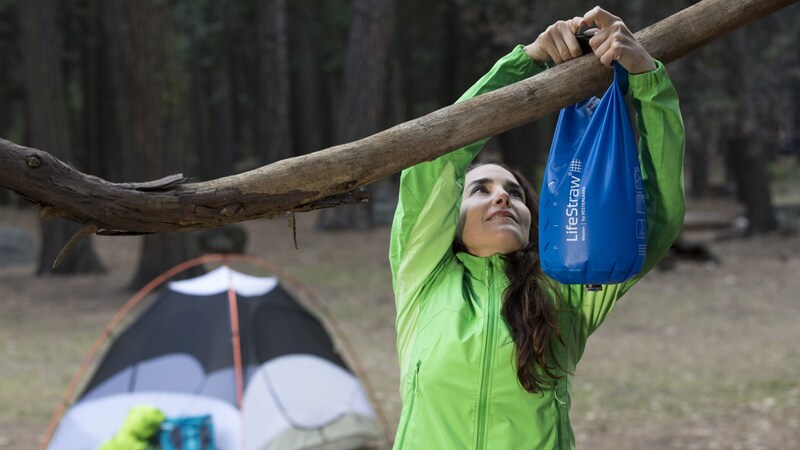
column 592, row 210
column 187, row 433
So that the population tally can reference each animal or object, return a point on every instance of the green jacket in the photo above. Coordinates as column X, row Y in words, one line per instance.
column 458, row 381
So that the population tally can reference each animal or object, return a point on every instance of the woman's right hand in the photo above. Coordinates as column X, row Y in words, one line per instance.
column 557, row 43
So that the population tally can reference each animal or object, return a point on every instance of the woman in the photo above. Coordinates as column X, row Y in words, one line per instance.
column 487, row 343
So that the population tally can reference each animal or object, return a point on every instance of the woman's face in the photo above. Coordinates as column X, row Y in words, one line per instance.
column 493, row 218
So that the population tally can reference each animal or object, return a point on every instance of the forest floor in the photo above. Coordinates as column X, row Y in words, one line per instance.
column 702, row 356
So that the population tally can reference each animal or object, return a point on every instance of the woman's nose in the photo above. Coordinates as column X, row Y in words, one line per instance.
column 502, row 198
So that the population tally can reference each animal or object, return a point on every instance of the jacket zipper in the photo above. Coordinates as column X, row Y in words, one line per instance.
column 488, row 357
column 400, row 442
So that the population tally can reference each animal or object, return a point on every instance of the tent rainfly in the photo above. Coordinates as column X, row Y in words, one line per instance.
column 239, row 348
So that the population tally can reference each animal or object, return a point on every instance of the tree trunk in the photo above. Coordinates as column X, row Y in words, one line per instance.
column 48, row 126
column 212, row 107
column 698, row 156
column 451, row 46
column 752, row 182
column 363, row 92
column 211, row 102
column 793, row 135
column 11, row 93
column 104, row 89
column 117, row 110
column 274, row 123
column 222, row 114
column 791, row 141
column 749, row 160
column 402, row 83
column 310, row 125
column 95, row 91
column 157, row 103
column 200, row 104
column 222, row 122
column 747, row 147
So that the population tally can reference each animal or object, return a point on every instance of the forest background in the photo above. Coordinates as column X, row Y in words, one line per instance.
column 134, row 90
column 137, row 90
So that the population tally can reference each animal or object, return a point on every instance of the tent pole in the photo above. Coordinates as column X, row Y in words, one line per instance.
column 235, row 340
column 332, row 326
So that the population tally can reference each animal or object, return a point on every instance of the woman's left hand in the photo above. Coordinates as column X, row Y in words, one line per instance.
column 613, row 41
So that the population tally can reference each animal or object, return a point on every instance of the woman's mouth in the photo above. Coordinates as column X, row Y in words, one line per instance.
column 502, row 214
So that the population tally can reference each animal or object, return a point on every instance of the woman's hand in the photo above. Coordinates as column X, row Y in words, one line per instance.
column 612, row 41
column 558, row 42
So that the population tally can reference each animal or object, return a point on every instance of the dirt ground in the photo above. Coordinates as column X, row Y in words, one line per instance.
column 698, row 357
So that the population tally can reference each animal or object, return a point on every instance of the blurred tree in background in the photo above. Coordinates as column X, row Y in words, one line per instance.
column 158, row 109
column 221, row 87
column 360, row 104
column 48, row 124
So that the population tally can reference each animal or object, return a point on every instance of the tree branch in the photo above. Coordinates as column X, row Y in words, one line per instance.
column 87, row 230
column 332, row 176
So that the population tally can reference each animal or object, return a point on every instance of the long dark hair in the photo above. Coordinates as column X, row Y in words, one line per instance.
column 528, row 311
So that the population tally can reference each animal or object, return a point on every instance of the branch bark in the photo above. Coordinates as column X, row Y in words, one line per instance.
column 333, row 176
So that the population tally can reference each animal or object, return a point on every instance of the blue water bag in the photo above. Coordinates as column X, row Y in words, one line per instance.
column 592, row 210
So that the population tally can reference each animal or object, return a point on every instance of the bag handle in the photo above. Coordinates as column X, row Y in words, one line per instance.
column 620, row 74
column 620, row 78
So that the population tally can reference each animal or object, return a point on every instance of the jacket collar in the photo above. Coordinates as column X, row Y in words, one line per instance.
column 479, row 267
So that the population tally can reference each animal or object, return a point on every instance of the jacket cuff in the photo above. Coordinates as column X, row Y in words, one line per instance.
column 525, row 63
column 648, row 81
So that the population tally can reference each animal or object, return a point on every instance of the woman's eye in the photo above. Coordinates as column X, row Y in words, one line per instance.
column 517, row 194
column 481, row 189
